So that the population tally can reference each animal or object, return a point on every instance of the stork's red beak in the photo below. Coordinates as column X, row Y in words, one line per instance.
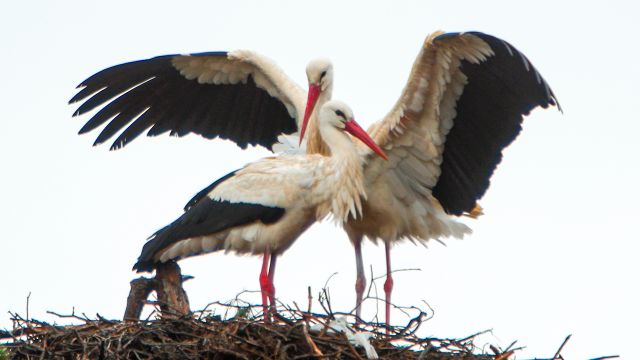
column 352, row 127
column 312, row 98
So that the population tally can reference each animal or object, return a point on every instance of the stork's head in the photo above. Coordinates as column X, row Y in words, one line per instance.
column 320, row 78
column 338, row 115
column 320, row 73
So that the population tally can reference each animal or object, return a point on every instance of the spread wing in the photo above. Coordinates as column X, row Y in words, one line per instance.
column 463, row 103
column 240, row 95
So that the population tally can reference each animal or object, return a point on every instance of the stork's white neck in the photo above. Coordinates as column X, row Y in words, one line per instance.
column 337, row 141
column 346, row 179
column 326, row 93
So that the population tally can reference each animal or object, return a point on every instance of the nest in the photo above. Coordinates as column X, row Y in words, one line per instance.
column 231, row 332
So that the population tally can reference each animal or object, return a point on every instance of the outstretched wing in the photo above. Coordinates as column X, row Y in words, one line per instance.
column 240, row 96
column 463, row 103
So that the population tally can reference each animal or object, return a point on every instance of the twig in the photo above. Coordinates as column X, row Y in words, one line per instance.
column 312, row 344
column 325, row 301
column 372, row 285
column 28, row 297
column 71, row 316
column 395, row 271
column 326, row 283
column 488, row 331
column 505, row 355
column 561, row 346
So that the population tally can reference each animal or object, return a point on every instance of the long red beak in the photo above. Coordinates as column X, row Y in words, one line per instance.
column 352, row 127
column 312, row 98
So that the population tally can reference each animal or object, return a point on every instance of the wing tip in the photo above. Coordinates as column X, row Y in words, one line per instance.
column 117, row 145
column 98, row 141
column 143, row 266
column 553, row 100
column 85, row 128
column 77, row 97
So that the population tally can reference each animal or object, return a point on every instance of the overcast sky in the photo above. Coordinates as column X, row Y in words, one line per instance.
column 555, row 254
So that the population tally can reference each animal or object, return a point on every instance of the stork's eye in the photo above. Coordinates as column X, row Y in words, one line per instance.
column 322, row 74
column 341, row 114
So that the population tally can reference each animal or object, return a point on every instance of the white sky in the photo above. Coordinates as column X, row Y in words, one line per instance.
column 554, row 255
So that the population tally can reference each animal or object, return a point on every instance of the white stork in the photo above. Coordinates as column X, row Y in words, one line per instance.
column 464, row 102
column 265, row 206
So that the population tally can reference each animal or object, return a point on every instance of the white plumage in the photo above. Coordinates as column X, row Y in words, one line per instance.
column 236, row 68
column 265, row 206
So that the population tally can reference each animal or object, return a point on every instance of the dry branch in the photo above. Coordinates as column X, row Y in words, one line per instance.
column 167, row 284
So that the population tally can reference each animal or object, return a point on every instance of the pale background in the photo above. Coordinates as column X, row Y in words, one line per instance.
column 554, row 255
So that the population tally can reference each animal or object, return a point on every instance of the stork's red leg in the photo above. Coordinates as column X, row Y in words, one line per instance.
column 272, row 288
column 388, row 285
column 360, row 278
column 264, row 285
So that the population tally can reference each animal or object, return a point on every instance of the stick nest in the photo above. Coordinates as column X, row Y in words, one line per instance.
column 228, row 332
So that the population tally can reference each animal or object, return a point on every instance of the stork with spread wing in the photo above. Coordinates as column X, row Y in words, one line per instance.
column 464, row 102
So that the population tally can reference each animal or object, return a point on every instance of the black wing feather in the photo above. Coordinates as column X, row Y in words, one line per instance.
column 200, row 195
column 499, row 92
column 205, row 216
column 243, row 112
